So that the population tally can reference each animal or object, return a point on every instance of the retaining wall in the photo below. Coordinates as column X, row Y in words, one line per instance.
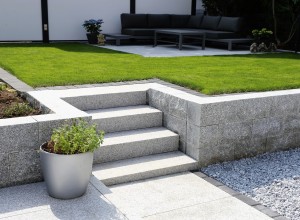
column 217, row 129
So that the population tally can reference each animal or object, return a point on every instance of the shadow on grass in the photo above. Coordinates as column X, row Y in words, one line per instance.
column 277, row 55
column 68, row 47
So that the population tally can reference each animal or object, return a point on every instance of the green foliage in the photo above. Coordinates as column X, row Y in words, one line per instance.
column 263, row 35
column 18, row 109
column 2, row 86
column 79, row 137
column 93, row 26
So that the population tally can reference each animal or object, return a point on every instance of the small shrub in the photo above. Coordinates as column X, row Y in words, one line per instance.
column 2, row 86
column 79, row 137
column 93, row 26
column 18, row 109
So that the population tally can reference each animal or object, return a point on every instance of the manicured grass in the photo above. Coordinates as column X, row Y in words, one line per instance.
column 74, row 63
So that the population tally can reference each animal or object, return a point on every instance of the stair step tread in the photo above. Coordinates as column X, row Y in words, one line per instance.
column 137, row 135
column 121, row 111
column 137, row 166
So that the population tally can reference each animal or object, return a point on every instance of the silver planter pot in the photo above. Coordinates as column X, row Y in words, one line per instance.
column 66, row 176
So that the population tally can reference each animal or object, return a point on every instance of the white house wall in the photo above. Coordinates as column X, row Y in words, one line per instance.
column 66, row 16
column 163, row 6
column 20, row 20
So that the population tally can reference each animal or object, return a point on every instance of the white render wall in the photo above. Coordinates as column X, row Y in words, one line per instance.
column 163, row 6
column 20, row 20
column 67, row 16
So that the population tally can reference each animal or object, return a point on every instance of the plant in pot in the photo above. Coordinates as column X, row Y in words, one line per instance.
column 67, row 158
column 93, row 29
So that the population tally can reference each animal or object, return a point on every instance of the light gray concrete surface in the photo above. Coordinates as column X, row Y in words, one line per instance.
column 32, row 202
column 126, row 118
column 136, row 143
column 172, row 51
column 179, row 196
column 140, row 168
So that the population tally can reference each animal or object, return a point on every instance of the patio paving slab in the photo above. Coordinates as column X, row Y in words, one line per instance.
column 172, row 51
column 177, row 196
column 32, row 202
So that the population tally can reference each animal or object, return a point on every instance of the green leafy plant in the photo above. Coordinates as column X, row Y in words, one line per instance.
column 263, row 35
column 2, row 86
column 77, row 137
column 18, row 109
column 93, row 26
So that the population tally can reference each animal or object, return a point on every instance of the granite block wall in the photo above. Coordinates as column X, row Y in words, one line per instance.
column 212, row 130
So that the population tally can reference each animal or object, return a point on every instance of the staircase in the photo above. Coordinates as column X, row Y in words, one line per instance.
column 136, row 146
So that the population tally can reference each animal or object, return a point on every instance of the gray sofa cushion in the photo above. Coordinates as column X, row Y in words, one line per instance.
column 134, row 20
column 159, row 21
column 230, row 24
column 179, row 21
column 195, row 21
column 210, row 22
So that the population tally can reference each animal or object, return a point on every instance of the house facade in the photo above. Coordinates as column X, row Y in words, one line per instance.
column 56, row 20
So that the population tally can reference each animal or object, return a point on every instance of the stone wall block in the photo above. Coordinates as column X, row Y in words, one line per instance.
column 285, row 104
column 177, row 125
column 177, row 107
column 24, row 167
column 233, row 131
column 4, row 170
column 249, row 147
column 18, row 137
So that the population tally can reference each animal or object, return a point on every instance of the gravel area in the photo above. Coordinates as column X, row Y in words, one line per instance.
column 272, row 179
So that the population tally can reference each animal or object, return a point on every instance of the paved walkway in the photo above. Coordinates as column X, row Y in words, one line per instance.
column 172, row 51
column 180, row 196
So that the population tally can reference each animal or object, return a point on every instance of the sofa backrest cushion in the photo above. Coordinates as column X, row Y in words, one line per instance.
column 159, row 21
column 134, row 20
column 195, row 21
column 179, row 21
column 210, row 22
column 230, row 24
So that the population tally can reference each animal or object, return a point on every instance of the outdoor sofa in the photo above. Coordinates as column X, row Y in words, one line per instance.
column 216, row 28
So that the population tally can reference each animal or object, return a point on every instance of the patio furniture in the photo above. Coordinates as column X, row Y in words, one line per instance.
column 214, row 27
column 119, row 37
column 230, row 42
column 180, row 35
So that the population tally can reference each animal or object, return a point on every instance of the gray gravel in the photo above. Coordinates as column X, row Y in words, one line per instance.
column 272, row 179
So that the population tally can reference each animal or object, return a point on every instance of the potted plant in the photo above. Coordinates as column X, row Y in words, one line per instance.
column 67, row 158
column 93, row 29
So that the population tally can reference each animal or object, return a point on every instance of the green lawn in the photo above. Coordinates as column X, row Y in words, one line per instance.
column 74, row 63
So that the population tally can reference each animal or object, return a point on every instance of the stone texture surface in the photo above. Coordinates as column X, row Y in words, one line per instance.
column 136, row 143
column 24, row 167
column 108, row 100
column 140, row 168
column 18, row 137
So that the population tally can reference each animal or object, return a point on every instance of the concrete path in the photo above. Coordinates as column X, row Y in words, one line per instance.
column 180, row 196
column 172, row 51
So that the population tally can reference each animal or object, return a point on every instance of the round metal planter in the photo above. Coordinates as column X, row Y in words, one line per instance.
column 66, row 176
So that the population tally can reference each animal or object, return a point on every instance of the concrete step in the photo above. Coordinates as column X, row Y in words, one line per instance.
column 126, row 118
column 140, row 168
column 136, row 143
column 111, row 98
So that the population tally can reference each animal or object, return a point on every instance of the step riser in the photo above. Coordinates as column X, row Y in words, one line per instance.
column 131, row 122
column 108, row 153
column 150, row 174
column 108, row 100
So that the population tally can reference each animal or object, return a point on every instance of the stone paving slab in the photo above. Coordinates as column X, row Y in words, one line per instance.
column 32, row 202
column 173, row 195
column 222, row 209
column 180, row 196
